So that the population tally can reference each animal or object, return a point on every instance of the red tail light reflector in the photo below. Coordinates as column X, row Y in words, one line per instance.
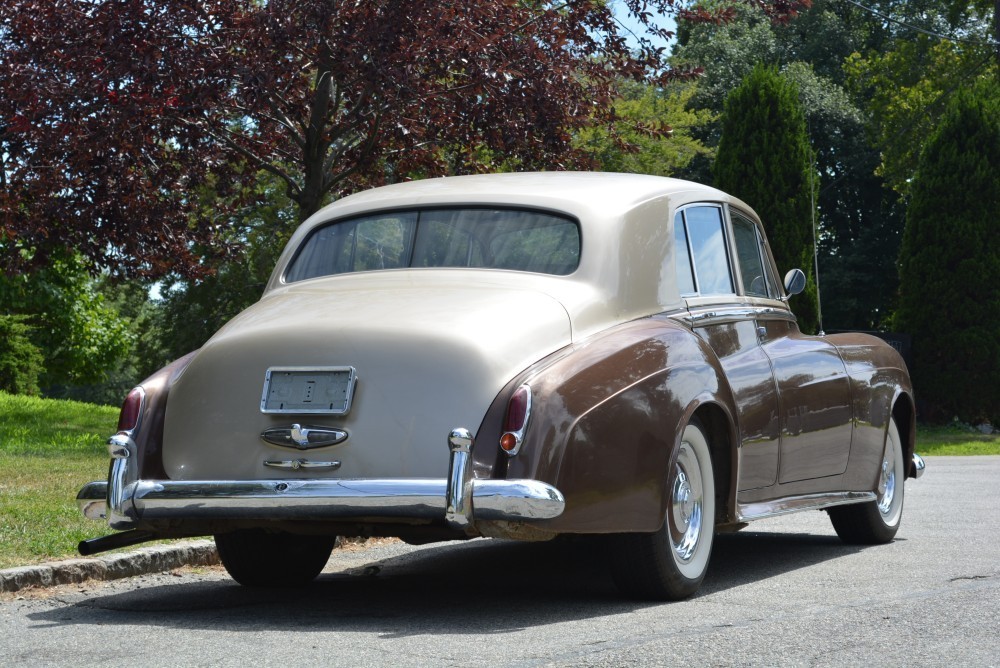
column 128, row 419
column 518, row 412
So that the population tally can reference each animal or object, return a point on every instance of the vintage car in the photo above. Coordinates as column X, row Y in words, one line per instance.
column 519, row 356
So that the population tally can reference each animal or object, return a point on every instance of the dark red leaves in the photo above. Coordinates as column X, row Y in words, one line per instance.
column 119, row 121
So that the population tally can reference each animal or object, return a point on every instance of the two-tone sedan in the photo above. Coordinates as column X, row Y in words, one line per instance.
column 518, row 356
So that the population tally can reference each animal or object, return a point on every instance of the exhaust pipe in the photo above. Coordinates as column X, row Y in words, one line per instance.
column 114, row 541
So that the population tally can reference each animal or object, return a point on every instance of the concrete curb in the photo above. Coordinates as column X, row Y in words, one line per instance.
column 141, row 562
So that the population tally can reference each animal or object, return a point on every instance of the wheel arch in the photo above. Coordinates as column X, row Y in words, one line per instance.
column 722, row 443
column 904, row 413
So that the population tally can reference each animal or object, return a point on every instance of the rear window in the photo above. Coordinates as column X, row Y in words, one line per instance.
column 514, row 239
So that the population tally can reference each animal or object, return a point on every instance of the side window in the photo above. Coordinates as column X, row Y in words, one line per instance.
column 705, row 235
column 750, row 256
column 682, row 258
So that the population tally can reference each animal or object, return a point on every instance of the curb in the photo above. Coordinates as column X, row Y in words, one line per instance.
column 141, row 562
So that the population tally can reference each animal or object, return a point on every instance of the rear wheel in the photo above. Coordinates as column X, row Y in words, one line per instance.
column 257, row 558
column 670, row 564
column 876, row 521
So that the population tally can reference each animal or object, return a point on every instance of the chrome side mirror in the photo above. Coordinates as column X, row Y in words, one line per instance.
column 795, row 282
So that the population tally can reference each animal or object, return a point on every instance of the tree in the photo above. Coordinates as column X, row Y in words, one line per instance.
column 868, row 111
column 907, row 90
column 950, row 262
column 80, row 337
column 655, row 125
column 112, row 112
column 764, row 158
column 192, row 310
column 20, row 360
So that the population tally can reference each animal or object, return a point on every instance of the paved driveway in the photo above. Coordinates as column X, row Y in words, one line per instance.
column 783, row 592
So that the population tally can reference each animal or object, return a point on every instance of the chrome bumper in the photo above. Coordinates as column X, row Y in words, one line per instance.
column 918, row 465
column 459, row 499
column 515, row 500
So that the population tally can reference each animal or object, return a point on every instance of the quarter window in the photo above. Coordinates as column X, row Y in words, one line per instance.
column 701, row 260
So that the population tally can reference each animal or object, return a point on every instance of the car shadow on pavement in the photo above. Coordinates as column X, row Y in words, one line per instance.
column 476, row 587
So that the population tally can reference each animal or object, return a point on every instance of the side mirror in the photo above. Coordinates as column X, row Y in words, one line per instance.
column 795, row 282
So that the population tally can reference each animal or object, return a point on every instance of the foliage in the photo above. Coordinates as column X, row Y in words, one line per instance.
column 21, row 362
column 655, row 125
column 79, row 335
column 764, row 158
column 906, row 90
column 48, row 450
column 859, row 223
column 950, row 262
column 192, row 310
column 112, row 113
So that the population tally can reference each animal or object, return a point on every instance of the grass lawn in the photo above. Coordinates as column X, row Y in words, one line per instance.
column 49, row 449
column 955, row 440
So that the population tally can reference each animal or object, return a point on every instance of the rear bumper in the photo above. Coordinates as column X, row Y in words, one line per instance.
column 402, row 499
column 460, row 500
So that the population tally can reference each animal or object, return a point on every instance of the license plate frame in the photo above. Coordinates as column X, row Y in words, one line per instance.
column 308, row 390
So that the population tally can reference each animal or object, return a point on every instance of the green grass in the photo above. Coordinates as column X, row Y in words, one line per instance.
column 955, row 440
column 49, row 449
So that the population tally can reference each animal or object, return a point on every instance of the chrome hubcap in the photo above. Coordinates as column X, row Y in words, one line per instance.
column 686, row 505
column 886, row 486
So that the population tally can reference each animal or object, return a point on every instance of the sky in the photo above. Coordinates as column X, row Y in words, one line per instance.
column 632, row 24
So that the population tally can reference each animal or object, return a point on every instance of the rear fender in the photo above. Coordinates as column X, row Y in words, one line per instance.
column 148, row 437
column 607, row 418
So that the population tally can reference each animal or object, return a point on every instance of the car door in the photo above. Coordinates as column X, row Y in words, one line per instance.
column 812, row 384
column 727, row 322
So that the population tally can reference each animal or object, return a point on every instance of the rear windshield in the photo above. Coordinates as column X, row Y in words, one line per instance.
column 515, row 239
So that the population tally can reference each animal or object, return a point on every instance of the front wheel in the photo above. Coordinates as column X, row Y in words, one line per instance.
column 877, row 521
column 256, row 558
column 670, row 564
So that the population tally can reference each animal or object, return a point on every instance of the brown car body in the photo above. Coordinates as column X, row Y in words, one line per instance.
column 792, row 421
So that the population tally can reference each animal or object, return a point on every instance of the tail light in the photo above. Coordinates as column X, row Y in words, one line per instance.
column 518, row 412
column 128, row 419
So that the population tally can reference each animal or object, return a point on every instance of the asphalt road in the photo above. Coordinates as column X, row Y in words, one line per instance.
column 784, row 592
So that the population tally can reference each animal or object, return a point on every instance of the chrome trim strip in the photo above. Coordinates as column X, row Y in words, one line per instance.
column 722, row 314
column 759, row 510
column 302, row 464
column 303, row 437
column 919, row 466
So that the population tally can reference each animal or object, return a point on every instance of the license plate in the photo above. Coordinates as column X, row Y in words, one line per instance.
column 302, row 390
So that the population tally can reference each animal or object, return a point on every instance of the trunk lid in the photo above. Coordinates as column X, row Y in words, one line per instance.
column 431, row 348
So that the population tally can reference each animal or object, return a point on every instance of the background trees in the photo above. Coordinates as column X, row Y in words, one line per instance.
column 950, row 262
column 764, row 157
column 181, row 141
column 112, row 113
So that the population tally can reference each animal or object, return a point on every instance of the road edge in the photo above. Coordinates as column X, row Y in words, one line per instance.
column 146, row 560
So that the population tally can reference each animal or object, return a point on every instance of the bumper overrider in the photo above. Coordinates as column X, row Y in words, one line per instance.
column 462, row 501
